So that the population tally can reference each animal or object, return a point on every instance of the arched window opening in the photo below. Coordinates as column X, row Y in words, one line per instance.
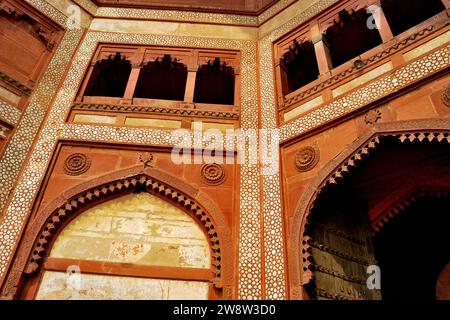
column 215, row 83
column 163, row 79
column 300, row 65
column 405, row 14
column 109, row 77
column 349, row 36
column 137, row 246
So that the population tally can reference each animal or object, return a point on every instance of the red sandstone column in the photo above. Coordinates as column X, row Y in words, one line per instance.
column 85, row 81
column 190, row 83
column 322, row 53
column 281, row 75
column 132, row 82
column 380, row 20
column 136, row 62
column 192, row 65
column 237, row 86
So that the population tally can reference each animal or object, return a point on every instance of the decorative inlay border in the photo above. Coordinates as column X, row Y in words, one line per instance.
column 87, row 5
column 188, row 16
column 273, row 10
column 185, row 16
column 9, row 113
column 274, row 247
column 250, row 255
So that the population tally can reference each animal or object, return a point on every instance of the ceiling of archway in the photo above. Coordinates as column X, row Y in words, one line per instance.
column 251, row 7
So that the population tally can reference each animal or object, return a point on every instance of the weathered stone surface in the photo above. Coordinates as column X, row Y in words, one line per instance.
column 136, row 228
column 58, row 286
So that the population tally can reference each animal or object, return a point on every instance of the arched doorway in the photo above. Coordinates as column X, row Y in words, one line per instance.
column 149, row 189
column 137, row 246
column 361, row 217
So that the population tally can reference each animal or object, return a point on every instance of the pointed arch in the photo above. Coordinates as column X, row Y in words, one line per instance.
column 423, row 131
column 52, row 219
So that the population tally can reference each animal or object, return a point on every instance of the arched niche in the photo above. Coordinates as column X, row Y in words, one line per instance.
column 330, row 182
column 137, row 246
column 215, row 83
column 163, row 79
column 300, row 65
column 35, row 250
column 109, row 77
column 350, row 25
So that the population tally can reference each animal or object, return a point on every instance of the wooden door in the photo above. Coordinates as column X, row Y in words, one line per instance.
column 340, row 242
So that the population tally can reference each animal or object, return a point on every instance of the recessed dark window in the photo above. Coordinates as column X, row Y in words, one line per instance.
column 215, row 83
column 405, row 14
column 300, row 65
column 109, row 77
column 163, row 79
column 349, row 36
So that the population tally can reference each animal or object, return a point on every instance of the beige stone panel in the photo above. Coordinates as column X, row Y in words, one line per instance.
column 90, row 118
column 136, row 228
column 428, row 46
column 303, row 108
column 284, row 16
column 372, row 74
column 59, row 286
column 212, row 125
column 157, row 123
column 63, row 7
column 174, row 28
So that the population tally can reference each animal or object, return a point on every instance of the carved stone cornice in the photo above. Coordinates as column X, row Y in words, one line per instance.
column 14, row 83
column 40, row 30
column 185, row 112
column 10, row 9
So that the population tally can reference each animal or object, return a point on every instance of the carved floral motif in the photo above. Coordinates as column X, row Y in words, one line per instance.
column 372, row 117
column 213, row 173
column 306, row 158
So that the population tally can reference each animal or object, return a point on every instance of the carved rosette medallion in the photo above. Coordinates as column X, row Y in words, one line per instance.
column 306, row 158
column 213, row 173
column 446, row 96
column 77, row 164
column 372, row 117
